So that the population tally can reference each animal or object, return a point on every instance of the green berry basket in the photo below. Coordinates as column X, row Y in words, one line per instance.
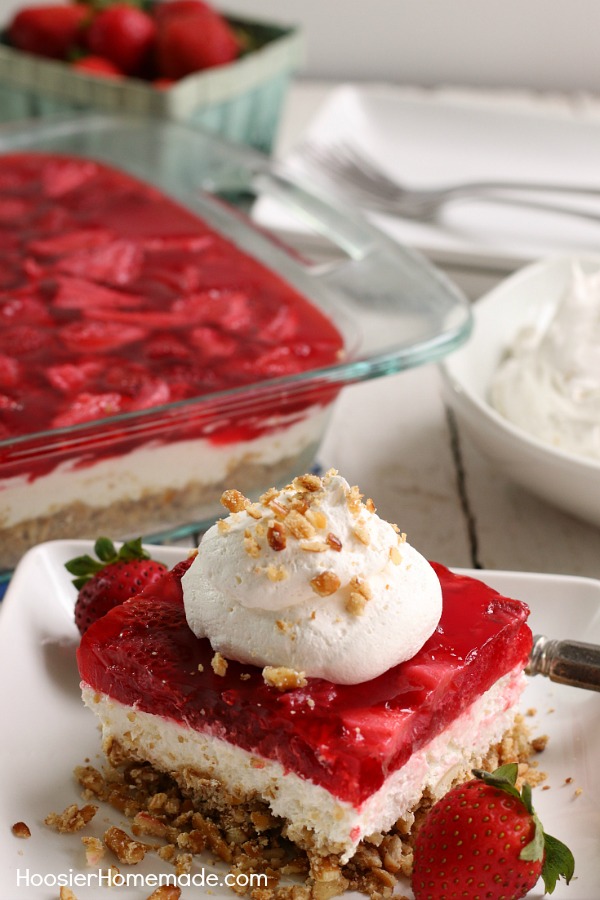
column 241, row 101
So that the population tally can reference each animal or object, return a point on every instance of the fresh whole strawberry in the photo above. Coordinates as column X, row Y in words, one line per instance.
column 51, row 31
column 483, row 841
column 110, row 580
column 97, row 65
column 168, row 9
column 194, row 41
column 125, row 35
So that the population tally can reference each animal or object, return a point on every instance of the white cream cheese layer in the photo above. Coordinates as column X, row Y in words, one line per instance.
column 313, row 580
column 151, row 469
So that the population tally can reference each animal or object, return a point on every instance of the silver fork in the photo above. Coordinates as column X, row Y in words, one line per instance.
column 358, row 175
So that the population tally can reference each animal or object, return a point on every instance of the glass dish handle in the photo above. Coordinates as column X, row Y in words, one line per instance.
column 374, row 269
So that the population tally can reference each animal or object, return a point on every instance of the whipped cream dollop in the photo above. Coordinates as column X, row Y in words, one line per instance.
column 549, row 382
column 311, row 579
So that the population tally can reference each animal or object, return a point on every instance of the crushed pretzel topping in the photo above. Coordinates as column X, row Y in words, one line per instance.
column 269, row 495
column 325, row 583
column 360, row 586
column 245, row 676
column 356, row 604
column 310, row 483
column 251, row 545
column 71, row 819
column 223, row 526
column 395, row 556
column 166, row 892
column 334, row 542
column 300, row 503
column 219, row 664
column 233, row 500
column 360, row 594
column 94, row 850
column 276, row 536
column 354, row 500
column 21, row 830
column 66, row 893
column 253, row 510
column 283, row 679
column 313, row 546
column 298, row 525
column 361, row 532
column 539, row 743
column 276, row 573
column 317, row 518
column 278, row 508
column 370, row 505
column 126, row 849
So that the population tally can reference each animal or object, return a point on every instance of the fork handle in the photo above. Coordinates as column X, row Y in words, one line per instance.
column 566, row 662
column 539, row 187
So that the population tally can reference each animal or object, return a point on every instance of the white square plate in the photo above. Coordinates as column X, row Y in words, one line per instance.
column 429, row 138
column 46, row 731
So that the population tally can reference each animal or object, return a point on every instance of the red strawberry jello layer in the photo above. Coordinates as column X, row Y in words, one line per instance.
column 116, row 300
column 335, row 762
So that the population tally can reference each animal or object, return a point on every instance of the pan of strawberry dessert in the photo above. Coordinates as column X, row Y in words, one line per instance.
column 156, row 347
column 321, row 694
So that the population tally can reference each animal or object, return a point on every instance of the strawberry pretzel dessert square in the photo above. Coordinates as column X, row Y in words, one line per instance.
column 311, row 686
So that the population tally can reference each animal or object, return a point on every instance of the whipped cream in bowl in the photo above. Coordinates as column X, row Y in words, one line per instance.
column 312, row 580
column 535, row 349
column 548, row 382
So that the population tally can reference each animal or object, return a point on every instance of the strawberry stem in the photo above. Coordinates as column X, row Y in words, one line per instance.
column 84, row 567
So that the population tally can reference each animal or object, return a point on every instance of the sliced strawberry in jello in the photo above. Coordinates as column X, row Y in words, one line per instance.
column 212, row 343
column 347, row 738
column 115, row 262
column 87, row 407
column 79, row 293
column 21, row 340
column 71, row 242
column 10, row 371
column 71, row 378
column 61, row 176
column 24, row 310
column 94, row 336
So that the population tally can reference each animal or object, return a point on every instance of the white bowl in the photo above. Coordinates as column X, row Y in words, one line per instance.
column 529, row 296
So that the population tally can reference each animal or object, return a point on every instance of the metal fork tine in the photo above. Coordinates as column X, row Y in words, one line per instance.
column 363, row 166
column 351, row 170
column 343, row 166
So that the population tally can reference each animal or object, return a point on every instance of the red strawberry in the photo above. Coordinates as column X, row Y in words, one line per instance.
column 169, row 9
column 125, row 35
column 48, row 30
column 97, row 337
column 483, row 839
column 98, row 65
column 194, row 41
column 111, row 579
column 88, row 406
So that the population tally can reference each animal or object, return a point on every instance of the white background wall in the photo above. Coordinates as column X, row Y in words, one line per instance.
column 549, row 44
column 546, row 44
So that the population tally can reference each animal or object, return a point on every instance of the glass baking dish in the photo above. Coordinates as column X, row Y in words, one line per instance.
column 160, row 471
